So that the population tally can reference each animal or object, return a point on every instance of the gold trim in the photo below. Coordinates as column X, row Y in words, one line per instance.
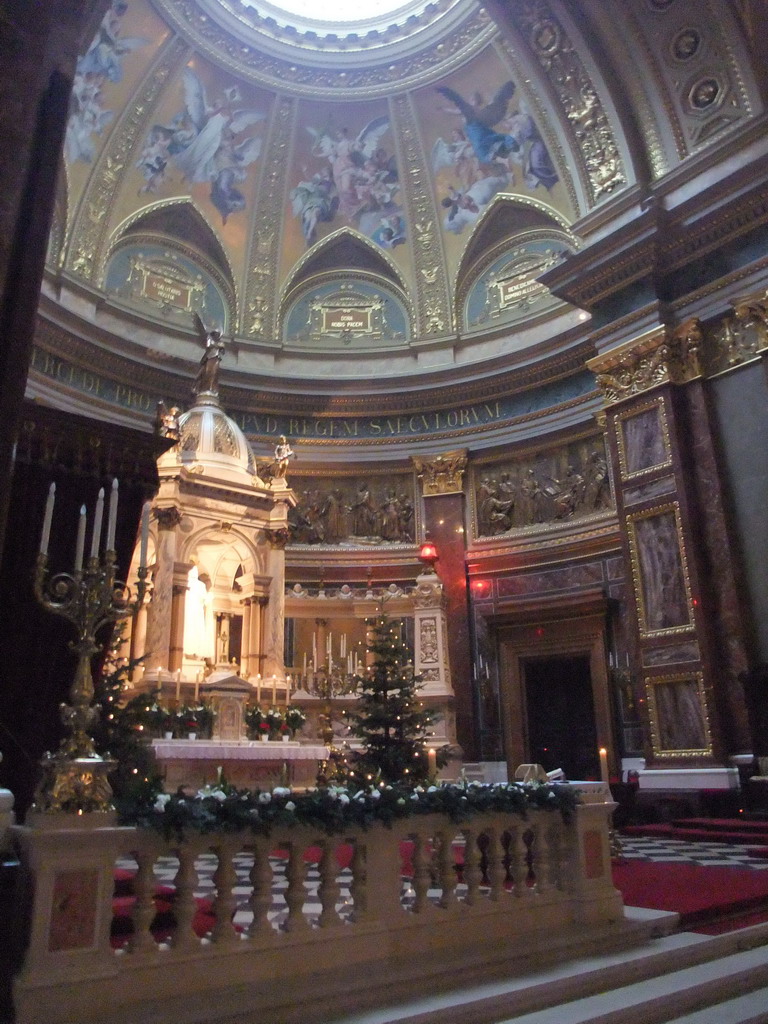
column 636, row 410
column 651, row 682
column 637, row 580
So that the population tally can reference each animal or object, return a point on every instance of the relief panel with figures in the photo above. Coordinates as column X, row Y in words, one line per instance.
column 547, row 487
column 354, row 510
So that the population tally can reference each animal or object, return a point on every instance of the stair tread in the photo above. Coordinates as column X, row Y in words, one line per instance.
column 497, row 997
column 749, row 1008
column 622, row 1000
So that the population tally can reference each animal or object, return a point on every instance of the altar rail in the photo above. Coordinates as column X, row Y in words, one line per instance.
column 394, row 911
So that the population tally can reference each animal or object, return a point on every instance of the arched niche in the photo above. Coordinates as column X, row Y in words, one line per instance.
column 168, row 264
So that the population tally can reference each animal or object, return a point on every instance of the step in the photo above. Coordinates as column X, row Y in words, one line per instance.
column 723, row 824
column 663, row 998
column 573, row 982
column 751, row 1008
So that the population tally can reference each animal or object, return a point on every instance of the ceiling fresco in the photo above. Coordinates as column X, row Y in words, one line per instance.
column 215, row 154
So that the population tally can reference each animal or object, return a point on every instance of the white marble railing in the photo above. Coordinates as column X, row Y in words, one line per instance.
column 387, row 910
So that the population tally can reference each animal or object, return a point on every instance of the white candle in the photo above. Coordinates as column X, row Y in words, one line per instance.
column 432, row 762
column 97, row 524
column 304, row 667
column 111, row 522
column 47, row 520
column 80, row 543
column 144, row 534
column 178, row 684
column 287, row 690
column 604, row 765
column 314, row 648
column 258, row 688
column 274, row 689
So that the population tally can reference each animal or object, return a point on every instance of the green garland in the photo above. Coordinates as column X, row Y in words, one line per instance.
column 334, row 810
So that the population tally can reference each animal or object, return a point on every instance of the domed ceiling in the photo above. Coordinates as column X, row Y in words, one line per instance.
column 366, row 200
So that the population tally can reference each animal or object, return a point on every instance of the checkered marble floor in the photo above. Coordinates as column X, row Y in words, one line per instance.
column 679, row 851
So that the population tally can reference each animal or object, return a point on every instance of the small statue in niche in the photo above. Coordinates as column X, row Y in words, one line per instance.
column 283, row 455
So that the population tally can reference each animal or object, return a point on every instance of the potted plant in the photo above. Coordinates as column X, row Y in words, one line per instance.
column 294, row 719
column 255, row 722
column 275, row 722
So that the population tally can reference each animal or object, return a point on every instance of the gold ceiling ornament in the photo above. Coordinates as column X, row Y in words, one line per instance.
column 441, row 474
column 433, row 306
column 264, row 256
column 591, row 128
column 660, row 356
column 89, row 235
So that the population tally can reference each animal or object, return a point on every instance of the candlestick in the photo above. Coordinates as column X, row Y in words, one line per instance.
column 432, row 762
column 98, row 518
column 112, row 521
column 144, row 534
column 604, row 765
column 80, row 543
column 47, row 520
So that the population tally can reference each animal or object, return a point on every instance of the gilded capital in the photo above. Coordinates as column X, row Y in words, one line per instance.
column 441, row 474
column 661, row 356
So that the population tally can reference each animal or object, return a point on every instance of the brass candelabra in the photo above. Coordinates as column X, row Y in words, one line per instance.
column 74, row 778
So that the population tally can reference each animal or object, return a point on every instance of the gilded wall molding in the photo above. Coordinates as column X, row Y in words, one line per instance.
column 679, row 716
column 661, row 356
column 740, row 336
column 91, row 228
column 261, row 307
column 435, row 314
column 441, row 474
column 602, row 168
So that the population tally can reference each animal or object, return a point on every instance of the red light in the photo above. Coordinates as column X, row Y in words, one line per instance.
column 539, row 631
column 428, row 554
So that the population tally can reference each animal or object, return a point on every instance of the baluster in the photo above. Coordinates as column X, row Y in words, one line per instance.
column 421, row 874
column 327, row 890
column 358, row 888
column 472, row 873
column 446, row 871
column 260, row 877
column 144, row 907
column 496, row 870
column 518, row 862
column 295, row 894
column 542, row 857
column 556, row 854
column 225, row 879
column 184, row 906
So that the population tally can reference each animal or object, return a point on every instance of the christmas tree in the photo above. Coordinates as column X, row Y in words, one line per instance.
column 119, row 733
column 390, row 719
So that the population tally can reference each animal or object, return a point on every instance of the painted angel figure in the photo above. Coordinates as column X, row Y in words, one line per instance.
column 533, row 154
column 209, row 142
column 315, row 200
column 354, row 160
column 480, row 119
column 105, row 54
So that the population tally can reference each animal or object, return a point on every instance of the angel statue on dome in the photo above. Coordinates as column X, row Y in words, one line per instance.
column 207, row 379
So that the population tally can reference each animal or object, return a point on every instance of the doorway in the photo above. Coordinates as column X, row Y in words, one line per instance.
column 560, row 715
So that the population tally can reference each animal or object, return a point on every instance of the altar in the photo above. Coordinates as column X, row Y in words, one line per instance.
column 247, row 764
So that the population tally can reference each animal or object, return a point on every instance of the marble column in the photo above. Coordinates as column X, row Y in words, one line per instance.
column 178, row 609
column 273, row 637
column 160, row 609
column 245, row 653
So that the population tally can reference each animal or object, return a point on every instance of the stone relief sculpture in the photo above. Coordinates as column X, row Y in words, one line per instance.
column 356, row 512
column 561, row 485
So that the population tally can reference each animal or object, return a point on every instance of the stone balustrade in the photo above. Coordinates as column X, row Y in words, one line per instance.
column 391, row 911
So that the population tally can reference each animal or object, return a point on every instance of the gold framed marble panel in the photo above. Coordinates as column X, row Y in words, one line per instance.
column 660, row 571
column 642, row 435
column 678, row 713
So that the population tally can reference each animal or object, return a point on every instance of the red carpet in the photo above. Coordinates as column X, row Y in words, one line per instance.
column 705, row 897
